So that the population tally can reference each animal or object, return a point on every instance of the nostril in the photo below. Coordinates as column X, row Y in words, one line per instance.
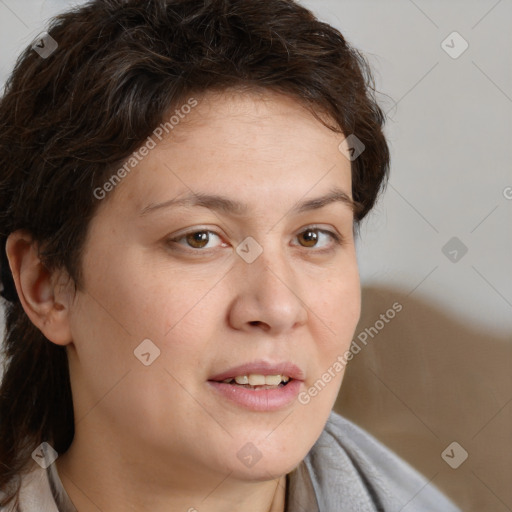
column 261, row 325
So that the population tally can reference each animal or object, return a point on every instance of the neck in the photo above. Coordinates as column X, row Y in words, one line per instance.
column 103, row 486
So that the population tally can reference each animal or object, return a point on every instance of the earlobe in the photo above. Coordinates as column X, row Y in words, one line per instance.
column 39, row 290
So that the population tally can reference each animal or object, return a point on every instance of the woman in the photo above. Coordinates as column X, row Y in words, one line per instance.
column 181, row 184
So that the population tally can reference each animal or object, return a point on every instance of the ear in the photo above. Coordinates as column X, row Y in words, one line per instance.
column 44, row 295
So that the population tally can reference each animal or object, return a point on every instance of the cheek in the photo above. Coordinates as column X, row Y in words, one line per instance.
column 146, row 299
column 338, row 304
column 338, row 307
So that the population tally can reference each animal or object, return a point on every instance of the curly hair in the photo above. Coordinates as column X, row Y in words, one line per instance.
column 68, row 120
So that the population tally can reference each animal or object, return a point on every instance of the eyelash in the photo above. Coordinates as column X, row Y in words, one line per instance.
column 337, row 239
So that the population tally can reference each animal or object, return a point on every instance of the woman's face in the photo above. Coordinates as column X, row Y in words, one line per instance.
column 177, row 295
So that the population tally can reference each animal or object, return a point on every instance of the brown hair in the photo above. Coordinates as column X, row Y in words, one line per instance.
column 68, row 120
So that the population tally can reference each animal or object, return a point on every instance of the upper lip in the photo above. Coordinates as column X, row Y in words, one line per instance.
column 261, row 368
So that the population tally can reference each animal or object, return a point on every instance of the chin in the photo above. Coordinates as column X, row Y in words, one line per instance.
column 254, row 463
column 262, row 472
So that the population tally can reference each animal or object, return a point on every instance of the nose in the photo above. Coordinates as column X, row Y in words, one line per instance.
column 267, row 295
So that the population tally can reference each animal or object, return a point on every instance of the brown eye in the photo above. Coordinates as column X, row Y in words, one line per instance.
column 198, row 239
column 310, row 237
column 320, row 239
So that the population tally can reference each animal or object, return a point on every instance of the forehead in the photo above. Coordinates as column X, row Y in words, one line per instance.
column 248, row 145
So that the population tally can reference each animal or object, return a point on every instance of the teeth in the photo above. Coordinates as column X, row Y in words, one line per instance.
column 259, row 380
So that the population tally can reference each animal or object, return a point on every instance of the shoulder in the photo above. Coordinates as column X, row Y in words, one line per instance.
column 353, row 465
column 35, row 493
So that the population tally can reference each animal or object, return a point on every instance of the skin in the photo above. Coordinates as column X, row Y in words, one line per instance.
column 157, row 438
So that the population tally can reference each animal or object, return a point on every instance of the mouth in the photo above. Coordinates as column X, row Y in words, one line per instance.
column 258, row 382
column 259, row 386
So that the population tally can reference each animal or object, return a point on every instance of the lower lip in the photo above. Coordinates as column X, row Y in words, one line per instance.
column 264, row 400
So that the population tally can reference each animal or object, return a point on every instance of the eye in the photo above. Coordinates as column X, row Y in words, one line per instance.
column 195, row 239
column 311, row 236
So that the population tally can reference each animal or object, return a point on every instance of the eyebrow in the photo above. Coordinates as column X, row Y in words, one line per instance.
column 229, row 206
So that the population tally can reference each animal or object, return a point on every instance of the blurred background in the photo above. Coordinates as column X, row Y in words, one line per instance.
column 434, row 383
